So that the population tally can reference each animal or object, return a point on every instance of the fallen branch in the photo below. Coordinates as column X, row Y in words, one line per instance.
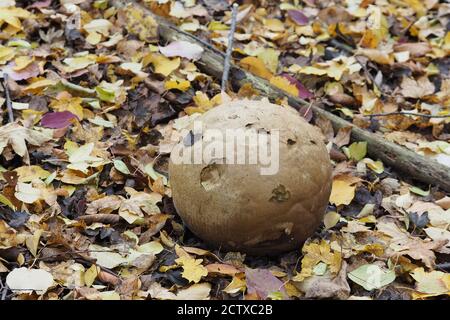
column 405, row 161
column 101, row 217
column 404, row 113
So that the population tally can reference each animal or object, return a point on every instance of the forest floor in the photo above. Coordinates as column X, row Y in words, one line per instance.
column 93, row 101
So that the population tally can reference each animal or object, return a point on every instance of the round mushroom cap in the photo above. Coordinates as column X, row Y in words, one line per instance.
column 232, row 201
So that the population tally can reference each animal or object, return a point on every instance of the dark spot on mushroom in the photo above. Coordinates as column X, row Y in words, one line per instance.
column 249, row 125
column 280, row 194
column 233, row 116
column 312, row 141
column 291, row 142
column 210, row 176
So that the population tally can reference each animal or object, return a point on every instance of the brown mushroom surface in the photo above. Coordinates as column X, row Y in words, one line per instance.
column 235, row 206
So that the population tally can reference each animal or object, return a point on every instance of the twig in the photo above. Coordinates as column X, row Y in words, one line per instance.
column 341, row 45
column 4, row 291
column 405, row 114
column 307, row 110
column 226, row 68
column 443, row 266
column 8, row 97
column 169, row 96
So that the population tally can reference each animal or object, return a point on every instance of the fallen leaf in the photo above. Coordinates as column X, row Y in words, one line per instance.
column 298, row 17
column 256, row 66
column 416, row 88
column 57, row 120
column 23, row 280
column 357, row 150
column 192, row 268
column 15, row 135
column 263, row 283
column 162, row 65
column 342, row 192
column 371, row 276
column 432, row 283
column 326, row 286
column 331, row 219
column 182, row 49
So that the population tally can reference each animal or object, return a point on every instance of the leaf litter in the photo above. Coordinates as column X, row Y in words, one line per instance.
column 99, row 100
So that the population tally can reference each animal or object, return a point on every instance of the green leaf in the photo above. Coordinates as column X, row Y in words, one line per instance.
column 101, row 4
column 370, row 276
column 153, row 174
column 121, row 166
column 50, row 178
column 276, row 295
column 357, row 150
column 105, row 94
column 320, row 269
column 6, row 201
column 102, row 122
column 419, row 191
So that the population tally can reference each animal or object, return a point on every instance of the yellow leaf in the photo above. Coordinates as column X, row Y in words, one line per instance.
column 39, row 85
column 235, row 286
column 378, row 23
column 431, row 283
column 378, row 56
column 217, row 26
column 32, row 242
column 417, row 6
column 22, row 62
column 11, row 16
column 256, row 66
column 95, row 29
column 72, row 105
column 6, row 54
column 342, row 192
column 78, row 63
column 285, row 85
column 193, row 270
column 315, row 253
column 269, row 57
column 275, row 25
column 91, row 274
column 375, row 166
column 333, row 68
column 144, row 26
column 162, row 64
column 7, row 202
column 330, row 219
column 179, row 85
column 30, row 173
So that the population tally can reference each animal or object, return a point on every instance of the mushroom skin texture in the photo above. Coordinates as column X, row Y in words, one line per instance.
column 235, row 207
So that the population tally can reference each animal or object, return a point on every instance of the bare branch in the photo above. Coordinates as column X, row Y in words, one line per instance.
column 226, row 68
column 406, row 114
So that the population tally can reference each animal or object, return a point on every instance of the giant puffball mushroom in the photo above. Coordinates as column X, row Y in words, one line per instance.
column 235, row 206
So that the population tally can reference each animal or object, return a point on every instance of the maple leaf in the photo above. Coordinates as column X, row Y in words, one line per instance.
column 193, row 270
column 416, row 88
column 430, row 284
column 16, row 135
column 140, row 203
column 402, row 243
column 316, row 253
